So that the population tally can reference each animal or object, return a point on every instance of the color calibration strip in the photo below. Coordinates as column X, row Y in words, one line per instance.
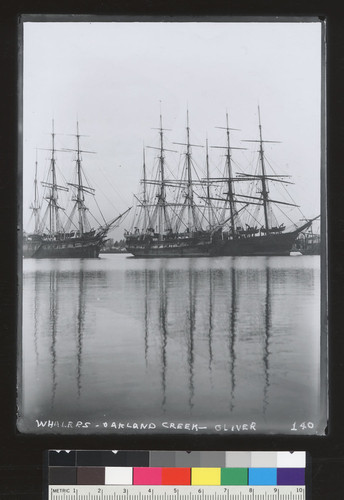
column 179, row 468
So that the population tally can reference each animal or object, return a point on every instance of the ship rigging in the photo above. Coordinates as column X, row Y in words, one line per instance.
column 226, row 222
column 175, row 225
column 60, row 233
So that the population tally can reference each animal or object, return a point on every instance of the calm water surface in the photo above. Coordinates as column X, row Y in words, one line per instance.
column 218, row 341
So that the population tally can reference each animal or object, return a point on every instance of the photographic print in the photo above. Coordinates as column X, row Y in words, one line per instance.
column 173, row 211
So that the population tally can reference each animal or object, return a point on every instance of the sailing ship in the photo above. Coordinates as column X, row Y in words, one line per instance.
column 308, row 243
column 225, row 223
column 74, row 238
column 243, row 233
column 169, row 227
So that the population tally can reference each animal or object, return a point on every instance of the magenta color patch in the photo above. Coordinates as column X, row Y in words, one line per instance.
column 147, row 475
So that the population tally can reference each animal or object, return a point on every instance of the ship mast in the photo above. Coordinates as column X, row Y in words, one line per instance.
column 80, row 194
column 230, row 195
column 144, row 201
column 35, row 205
column 265, row 190
column 52, row 198
column 80, row 188
column 264, row 198
column 190, row 201
column 210, row 212
column 189, row 198
column 53, row 212
column 161, row 206
column 162, row 195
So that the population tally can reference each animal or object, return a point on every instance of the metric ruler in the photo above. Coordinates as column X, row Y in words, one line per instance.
column 176, row 493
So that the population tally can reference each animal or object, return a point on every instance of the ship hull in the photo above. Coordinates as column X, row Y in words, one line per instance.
column 262, row 245
column 146, row 247
column 278, row 244
column 63, row 249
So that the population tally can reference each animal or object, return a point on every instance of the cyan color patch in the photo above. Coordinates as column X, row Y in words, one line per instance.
column 262, row 476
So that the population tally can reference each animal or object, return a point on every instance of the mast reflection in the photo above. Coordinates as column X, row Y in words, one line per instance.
column 266, row 352
column 199, row 312
column 36, row 314
column 191, row 316
column 211, row 319
column 146, row 318
column 232, row 335
column 80, row 328
column 53, row 319
column 163, row 331
column 62, row 321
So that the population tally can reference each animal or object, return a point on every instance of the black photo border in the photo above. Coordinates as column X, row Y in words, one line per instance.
column 21, row 457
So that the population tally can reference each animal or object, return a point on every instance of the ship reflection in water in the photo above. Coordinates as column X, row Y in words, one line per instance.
column 216, row 341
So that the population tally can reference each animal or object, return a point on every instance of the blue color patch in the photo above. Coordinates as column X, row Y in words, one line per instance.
column 262, row 476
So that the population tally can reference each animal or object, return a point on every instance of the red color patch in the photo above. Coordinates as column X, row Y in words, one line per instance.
column 176, row 476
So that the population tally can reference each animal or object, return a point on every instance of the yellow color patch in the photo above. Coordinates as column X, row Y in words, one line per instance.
column 206, row 476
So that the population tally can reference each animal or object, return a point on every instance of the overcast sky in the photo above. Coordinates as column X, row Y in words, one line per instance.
column 111, row 76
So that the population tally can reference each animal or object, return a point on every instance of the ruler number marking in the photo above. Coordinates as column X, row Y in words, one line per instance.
column 133, row 492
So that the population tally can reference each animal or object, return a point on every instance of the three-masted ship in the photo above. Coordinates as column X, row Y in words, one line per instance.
column 169, row 227
column 58, row 234
column 227, row 221
column 252, row 228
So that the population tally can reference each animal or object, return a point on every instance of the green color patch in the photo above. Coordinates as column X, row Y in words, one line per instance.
column 234, row 476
